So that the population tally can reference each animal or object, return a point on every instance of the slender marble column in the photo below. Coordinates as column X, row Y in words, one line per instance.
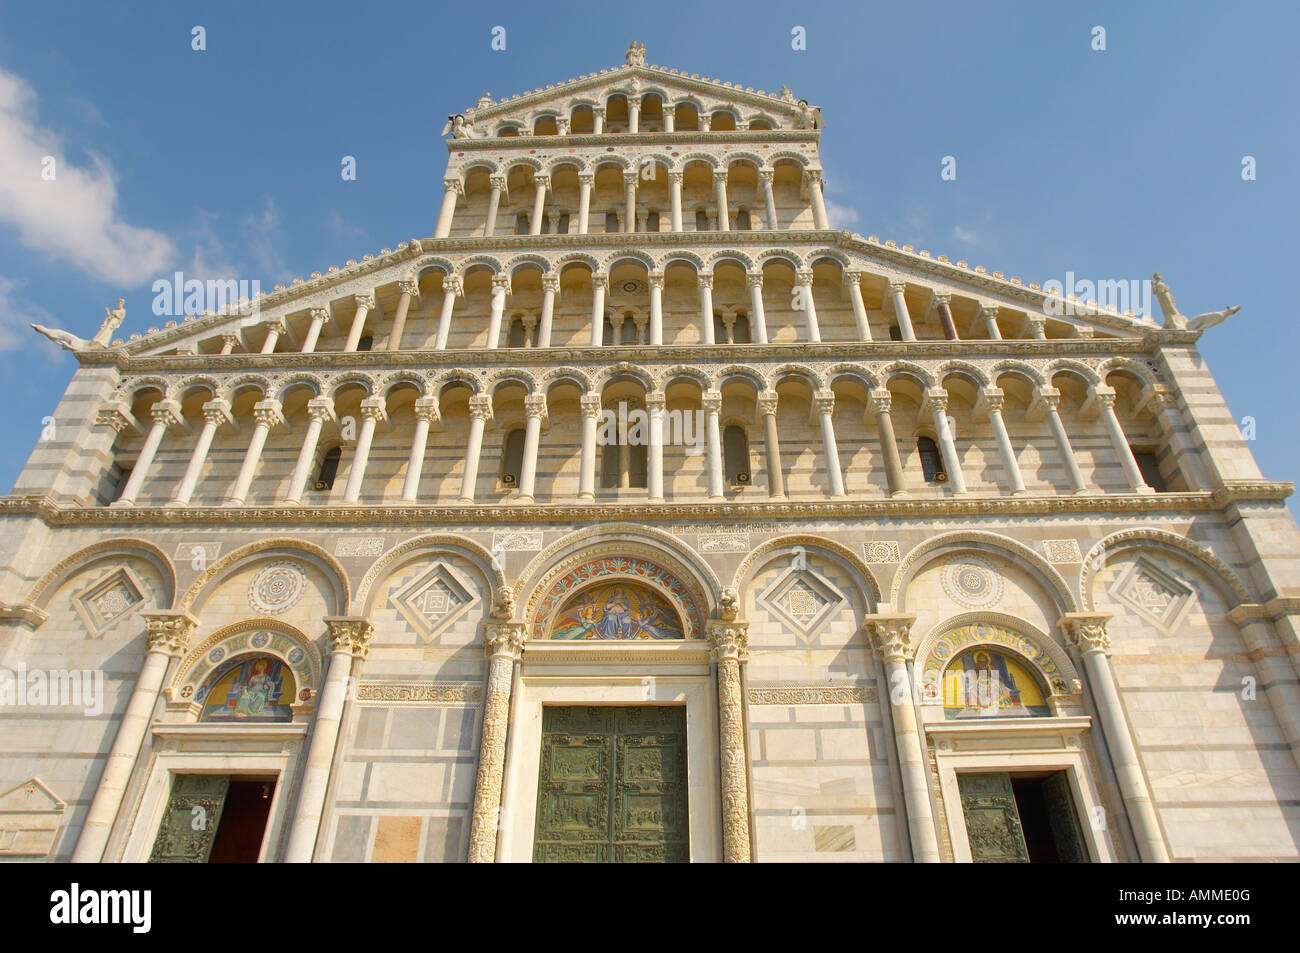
column 166, row 415
column 670, row 118
column 598, row 285
column 585, row 180
column 1044, row 405
column 452, row 190
column 169, row 635
column 824, row 407
column 427, row 415
column 936, row 403
column 769, row 199
column 550, row 288
column 542, row 183
column 720, row 196
column 634, row 114
column 372, row 412
column 319, row 411
column 818, row 202
column 1086, row 636
column 498, row 183
column 408, row 290
column 656, row 308
column 273, row 331
column 535, row 408
column 451, row 289
column 629, row 201
column 654, row 404
column 675, row 199
column 854, row 279
column 758, row 317
column 500, row 286
column 897, row 290
column 318, row 318
column 767, row 402
column 989, row 315
column 480, row 411
column 990, row 402
column 268, row 416
column 229, row 342
column 880, row 403
column 591, row 409
column 349, row 639
column 1101, row 401
column 805, row 280
column 216, row 414
column 891, row 637
column 706, row 309
column 598, row 120
column 504, row 643
column 728, row 644
column 364, row 304
column 712, row 402
column 945, row 316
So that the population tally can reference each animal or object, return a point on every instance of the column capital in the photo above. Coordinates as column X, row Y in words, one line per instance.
column 1085, row 632
column 535, row 406
column 1154, row 399
column 167, row 413
column 591, row 406
column 116, row 415
column 1034, row 326
column 705, row 280
column 881, row 401
column 454, row 185
column 656, row 279
column 990, row 398
column 897, row 287
column 941, row 299
column 853, row 277
column 675, row 178
column 1045, row 399
column 767, row 175
column 350, row 634
column 711, row 400
column 498, row 182
column 408, row 286
column 754, row 280
column 598, row 110
column 891, row 635
column 269, row 414
column 366, row 301
column 629, row 178
column 217, row 411
column 935, row 399
column 728, row 639
column 503, row 638
column 551, row 283
column 452, row 285
column 320, row 314
column 600, row 280
column 501, row 283
column 232, row 338
column 1100, row 399
column 767, row 403
column 322, row 409
column 169, row 631
column 372, row 408
column 823, row 402
column 276, row 325
column 804, row 277
column 428, row 408
column 988, row 311
column 542, row 181
column 720, row 177
column 480, row 407
column 586, row 178
column 655, row 401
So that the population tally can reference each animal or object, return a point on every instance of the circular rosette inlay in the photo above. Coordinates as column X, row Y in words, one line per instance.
column 972, row 581
column 277, row 588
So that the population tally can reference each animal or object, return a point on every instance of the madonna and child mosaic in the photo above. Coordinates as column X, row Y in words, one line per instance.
column 248, row 689
column 973, row 677
column 617, row 611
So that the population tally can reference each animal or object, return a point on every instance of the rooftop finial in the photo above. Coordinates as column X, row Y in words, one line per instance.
column 635, row 55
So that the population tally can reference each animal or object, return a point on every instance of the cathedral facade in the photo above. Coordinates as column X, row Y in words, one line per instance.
column 639, row 515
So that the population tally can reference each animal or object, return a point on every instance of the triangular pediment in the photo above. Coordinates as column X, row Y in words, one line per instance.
column 31, row 795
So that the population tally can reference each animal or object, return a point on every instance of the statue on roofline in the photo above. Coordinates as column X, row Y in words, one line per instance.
column 113, row 318
column 1176, row 320
column 635, row 55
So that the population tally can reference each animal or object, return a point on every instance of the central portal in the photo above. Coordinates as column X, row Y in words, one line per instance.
column 612, row 786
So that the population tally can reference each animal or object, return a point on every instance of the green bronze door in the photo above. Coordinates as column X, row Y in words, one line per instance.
column 612, row 786
column 189, row 825
column 993, row 829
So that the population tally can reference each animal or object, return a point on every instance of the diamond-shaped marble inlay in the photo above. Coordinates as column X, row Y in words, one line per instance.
column 802, row 598
column 109, row 600
column 1155, row 593
column 433, row 600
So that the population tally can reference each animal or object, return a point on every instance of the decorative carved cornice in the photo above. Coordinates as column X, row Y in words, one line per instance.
column 432, row 693
column 62, row 514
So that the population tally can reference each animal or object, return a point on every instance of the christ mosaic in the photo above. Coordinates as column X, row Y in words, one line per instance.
column 617, row 611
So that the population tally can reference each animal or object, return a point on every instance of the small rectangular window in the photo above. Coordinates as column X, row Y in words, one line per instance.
column 1149, row 465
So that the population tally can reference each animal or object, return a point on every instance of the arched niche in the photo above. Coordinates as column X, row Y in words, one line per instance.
column 616, row 609
column 208, row 664
column 1041, row 661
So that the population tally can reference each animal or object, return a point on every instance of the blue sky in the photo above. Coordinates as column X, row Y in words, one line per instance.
column 1109, row 164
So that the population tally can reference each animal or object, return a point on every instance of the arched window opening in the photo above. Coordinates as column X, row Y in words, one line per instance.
column 512, row 457
column 735, row 455
column 582, row 121
column 931, row 460
column 611, row 222
column 701, row 220
column 508, row 132
column 759, row 125
column 562, row 226
column 329, row 469
column 518, row 336
column 740, row 331
column 652, row 222
column 546, row 126
column 742, row 220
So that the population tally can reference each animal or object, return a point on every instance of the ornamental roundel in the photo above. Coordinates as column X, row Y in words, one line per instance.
column 277, row 587
column 972, row 581
column 612, row 569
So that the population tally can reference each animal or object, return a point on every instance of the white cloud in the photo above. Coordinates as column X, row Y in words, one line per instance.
column 15, row 318
column 840, row 216
column 967, row 236
column 74, row 216
column 341, row 227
